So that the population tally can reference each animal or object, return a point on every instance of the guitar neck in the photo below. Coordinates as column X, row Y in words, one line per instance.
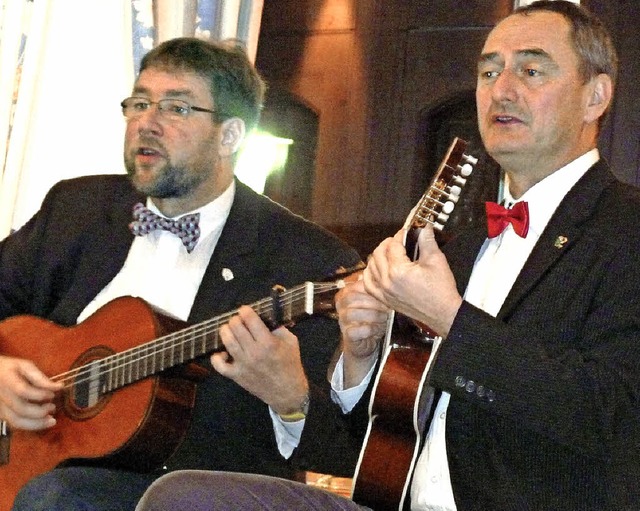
column 112, row 372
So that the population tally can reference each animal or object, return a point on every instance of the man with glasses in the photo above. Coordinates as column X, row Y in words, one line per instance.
column 199, row 244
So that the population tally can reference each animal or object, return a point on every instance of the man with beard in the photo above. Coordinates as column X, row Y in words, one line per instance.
column 189, row 111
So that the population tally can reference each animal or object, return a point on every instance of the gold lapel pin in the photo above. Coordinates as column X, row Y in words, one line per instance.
column 560, row 241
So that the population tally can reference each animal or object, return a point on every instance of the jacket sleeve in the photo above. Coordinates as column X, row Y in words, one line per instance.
column 564, row 360
column 20, row 255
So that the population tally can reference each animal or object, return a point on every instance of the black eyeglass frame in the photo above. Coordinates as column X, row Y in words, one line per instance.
column 189, row 108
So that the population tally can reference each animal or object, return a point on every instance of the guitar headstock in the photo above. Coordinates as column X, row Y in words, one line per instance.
column 440, row 199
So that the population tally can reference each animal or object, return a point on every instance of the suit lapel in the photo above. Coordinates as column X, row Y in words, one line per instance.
column 461, row 253
column 563, row 230
column 225, row 279
column 103, row 252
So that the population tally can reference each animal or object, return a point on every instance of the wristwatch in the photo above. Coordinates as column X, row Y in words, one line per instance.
column 300, row 413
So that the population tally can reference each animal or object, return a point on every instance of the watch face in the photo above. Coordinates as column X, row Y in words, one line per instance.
column 305, row 404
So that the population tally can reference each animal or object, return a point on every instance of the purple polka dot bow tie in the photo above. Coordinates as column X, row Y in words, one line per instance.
column 186, row 227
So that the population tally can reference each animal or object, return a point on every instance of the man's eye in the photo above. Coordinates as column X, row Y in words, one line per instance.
column 178, row 109
column 140, row 105
column 489, row 74
column 532, row 72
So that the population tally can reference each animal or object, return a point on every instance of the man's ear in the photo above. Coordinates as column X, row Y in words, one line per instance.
column 600, row 95
column 232, row 132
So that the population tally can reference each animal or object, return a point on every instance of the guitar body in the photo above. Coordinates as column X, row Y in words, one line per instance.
column 398, row 417
column 402, row 401
column 137, row 427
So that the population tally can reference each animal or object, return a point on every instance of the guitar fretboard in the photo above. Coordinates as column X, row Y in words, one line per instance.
column 104, row 375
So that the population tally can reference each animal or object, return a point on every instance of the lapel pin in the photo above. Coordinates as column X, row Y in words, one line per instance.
column 560, row 241
column 227, row 274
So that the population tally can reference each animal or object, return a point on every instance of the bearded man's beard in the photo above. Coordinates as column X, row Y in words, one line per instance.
column 169, row 182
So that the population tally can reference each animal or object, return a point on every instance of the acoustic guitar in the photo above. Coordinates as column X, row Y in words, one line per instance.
column 126, row 401
column 402, row 400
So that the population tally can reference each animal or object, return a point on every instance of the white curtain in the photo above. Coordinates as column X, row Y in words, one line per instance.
column 70, row 79
column 65, row 65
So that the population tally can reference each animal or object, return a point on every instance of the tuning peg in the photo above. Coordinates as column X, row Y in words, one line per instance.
column 470, row 159
column 459, row 180
column 466, row 170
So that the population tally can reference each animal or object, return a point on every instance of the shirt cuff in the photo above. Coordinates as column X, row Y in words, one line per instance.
column 287, row 434
column 348, row 398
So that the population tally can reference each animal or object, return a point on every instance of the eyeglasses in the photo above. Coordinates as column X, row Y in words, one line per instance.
column 173, row 109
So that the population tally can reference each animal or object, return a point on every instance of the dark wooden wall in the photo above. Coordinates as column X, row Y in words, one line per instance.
column 373, row 70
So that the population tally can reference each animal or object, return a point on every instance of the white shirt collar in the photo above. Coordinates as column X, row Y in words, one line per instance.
column 212, row 215
column 545, row 196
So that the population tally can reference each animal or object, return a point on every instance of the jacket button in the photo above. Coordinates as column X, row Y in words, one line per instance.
column 470, row 386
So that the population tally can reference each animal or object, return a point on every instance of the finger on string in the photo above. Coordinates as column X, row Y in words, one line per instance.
column 37, row 378
column 222, row 362
column 252, row 322
column 397, row 252
column 229, row 339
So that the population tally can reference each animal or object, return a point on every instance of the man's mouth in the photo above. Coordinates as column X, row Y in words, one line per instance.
column 505, row 119
column 147, row 151
column 148, row 155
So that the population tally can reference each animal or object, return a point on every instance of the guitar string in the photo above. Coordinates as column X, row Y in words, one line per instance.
column 164, row 343
column 167, row 341
column 113, row 364
column 433, row 195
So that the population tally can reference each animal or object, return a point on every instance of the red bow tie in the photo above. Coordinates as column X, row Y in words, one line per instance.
column 498, row 217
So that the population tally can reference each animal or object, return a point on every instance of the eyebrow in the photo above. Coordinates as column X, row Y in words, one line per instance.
column 527, row 52
column 172, row 93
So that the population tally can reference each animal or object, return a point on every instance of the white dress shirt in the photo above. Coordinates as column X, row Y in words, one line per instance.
column 159, row 269
column 496, row 268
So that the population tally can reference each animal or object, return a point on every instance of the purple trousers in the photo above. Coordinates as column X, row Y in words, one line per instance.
column 199, row 490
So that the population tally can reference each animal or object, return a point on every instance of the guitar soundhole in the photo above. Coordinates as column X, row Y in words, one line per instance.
column 86, row 396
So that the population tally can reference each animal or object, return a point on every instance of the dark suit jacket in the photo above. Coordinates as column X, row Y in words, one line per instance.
column 545, row 406
column 56, row 264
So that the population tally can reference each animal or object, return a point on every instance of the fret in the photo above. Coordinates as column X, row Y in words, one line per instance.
column 288, row 308
column 192, row 347
column 173, row 358
column 212, row 339
column 112, row 384
column 120, row 372
column 128, row 373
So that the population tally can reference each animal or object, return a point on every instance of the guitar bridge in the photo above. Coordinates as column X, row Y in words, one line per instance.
column 5, row 437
